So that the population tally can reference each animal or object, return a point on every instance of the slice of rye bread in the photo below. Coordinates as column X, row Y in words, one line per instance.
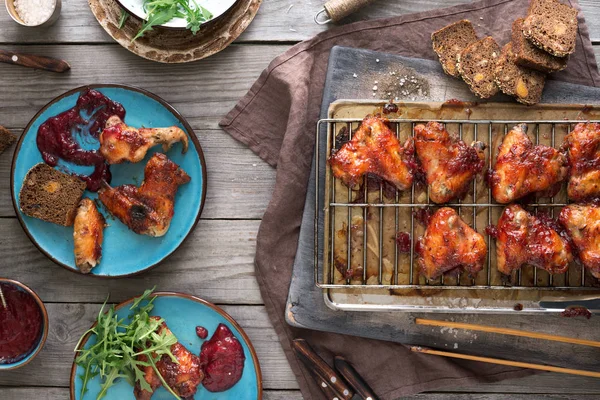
column 525, row 84
column 476, row 65
column 551, row 26
column 449, row 41
column 530, row 56
column 51, row 195
column 6, row 139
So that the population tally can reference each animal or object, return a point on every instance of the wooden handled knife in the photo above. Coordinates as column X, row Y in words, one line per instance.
column 33, row 61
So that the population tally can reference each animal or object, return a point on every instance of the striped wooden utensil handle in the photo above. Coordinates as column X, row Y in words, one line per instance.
column 33, row 61
column 335, row 10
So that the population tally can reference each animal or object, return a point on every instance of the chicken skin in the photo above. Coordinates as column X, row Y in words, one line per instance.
column 149, row 209
column 526, row 239
column 522, row 168
column 119, row 142
column 449, row 244
column 583, row 146
column 375, row 149
column 88, row 233
column 183, row 376
column 450, row 165
column 582, row 223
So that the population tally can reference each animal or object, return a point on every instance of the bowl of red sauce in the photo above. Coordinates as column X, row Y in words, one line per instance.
column 23, row 325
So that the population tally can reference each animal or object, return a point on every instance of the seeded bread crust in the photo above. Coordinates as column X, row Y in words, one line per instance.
column 524, row 84
column 6, row 139
column 551, row 26
column 51, row 195
column 476, row 65
column 530, row 56
column 449, row 41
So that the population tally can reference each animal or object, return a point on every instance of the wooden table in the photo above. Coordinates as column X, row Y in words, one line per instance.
column 217, row 263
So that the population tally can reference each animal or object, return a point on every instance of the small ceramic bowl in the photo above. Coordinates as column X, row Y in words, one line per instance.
column 42, row 340
column 10, row 7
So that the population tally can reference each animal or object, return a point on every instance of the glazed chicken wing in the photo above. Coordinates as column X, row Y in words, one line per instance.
column 584, row 156
column 582, row 223
column 149, row 209
column 119, row 142
column 526, row 239
column 374, row 149
column 449, row 244
column 450, row 165
column 87, row 235
column 522, row 168
column 183, row 376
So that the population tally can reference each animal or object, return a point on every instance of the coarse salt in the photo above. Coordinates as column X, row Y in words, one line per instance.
column 34, row 12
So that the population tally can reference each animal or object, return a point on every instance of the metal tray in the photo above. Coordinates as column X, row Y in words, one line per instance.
column 390, row 280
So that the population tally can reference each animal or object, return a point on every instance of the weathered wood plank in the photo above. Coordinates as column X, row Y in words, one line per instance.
column 52, row 366
column 277, row 20
column 496, row 396
column 216, row 263
column 239, row 182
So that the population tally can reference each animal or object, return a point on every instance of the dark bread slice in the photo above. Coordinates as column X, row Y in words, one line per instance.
column 530, row 56
column 525, row 84
column 551, row 26
column 476, row 65
column 51, row 195
column 6, row 139
column 449, row 41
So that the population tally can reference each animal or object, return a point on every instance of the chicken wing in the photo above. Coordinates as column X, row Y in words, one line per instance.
column 183, row 376
column 119, row 142
column 583, row 146
column 450, row 165
column 375, row 149
column 526, row 239
column 449, row 244
column 522, row 168
column 149, row 209
column 88, row 235
column 582, row 223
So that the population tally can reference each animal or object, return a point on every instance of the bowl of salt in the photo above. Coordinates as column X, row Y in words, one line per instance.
column 34, row 13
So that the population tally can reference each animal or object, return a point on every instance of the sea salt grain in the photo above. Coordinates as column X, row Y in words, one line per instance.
column 34, row 12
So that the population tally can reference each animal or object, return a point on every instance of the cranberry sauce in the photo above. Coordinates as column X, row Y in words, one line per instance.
column 55, row 136
column 201, row 332
column 20, row 324
column 222, row 360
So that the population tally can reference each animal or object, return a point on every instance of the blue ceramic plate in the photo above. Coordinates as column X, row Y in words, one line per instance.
column 124, row 252
column 182, row 313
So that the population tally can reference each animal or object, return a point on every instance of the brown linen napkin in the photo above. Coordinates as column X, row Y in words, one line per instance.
column 277, row 118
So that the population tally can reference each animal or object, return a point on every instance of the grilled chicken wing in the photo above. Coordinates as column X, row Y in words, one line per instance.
column 119, row 142
column 522, row 168
column 375, row 149
column 183, row 376
column 582, row 223
column 450, row 165
column 584, row 156
column 149, row 209
column 449, row 244
column 526, row 239
column 87, row 235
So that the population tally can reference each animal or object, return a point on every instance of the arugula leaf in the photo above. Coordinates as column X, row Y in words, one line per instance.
column 123, row 19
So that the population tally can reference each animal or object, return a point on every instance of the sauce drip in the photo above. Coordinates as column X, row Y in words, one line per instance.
column 20, row 324
column 201, row 332
column 55, row 136
column 222, row 360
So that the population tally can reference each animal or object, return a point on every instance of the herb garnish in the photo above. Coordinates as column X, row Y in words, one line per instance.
column 118, row 345
column 123, row 19
column 159, row 12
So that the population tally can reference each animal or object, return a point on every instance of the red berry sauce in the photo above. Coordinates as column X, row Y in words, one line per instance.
column 222, row 360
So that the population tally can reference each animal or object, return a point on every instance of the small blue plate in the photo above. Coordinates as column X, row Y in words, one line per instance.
column 124, row 252
column 182, row 313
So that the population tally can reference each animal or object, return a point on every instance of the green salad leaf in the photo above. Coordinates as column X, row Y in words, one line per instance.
column 160, row 12
column 118, row 344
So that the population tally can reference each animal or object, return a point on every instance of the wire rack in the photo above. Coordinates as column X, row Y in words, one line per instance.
column 382, row 264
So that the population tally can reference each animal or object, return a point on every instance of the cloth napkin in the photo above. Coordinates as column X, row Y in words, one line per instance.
column 277, row 120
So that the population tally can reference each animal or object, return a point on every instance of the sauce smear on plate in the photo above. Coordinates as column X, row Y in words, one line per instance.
column 55, row 136
column 222, row 360
column 20, row 324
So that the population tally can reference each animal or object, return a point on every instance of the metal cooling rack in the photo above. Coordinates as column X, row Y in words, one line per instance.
column 325, row 266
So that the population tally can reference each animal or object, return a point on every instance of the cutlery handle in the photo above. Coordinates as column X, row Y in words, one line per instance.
column 354, row 379
column 339, row 9
column 320, row 368
column 329, row 393
column 33, row 61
